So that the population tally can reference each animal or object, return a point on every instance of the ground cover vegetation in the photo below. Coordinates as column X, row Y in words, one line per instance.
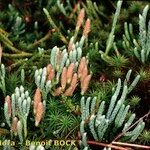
column 74, row 70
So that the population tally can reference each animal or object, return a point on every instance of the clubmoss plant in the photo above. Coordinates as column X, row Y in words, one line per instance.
column 110, row 41
column 101, row 121
column 139, row 46
column 16, row 111
column 145, row 137
column 61, row 76
column 2, row 79
column 51, row 48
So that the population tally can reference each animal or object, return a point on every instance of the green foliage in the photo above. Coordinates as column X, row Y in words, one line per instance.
column 145, row 137
column 12, row 82
column 16, row 23
column 2, row 79
column 61, row 123
column 111, row 37
column 106, row 122
column 40, row 33
column 18, row 107
column 134, row 101
column 141, row 45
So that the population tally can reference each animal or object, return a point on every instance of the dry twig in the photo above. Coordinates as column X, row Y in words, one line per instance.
column 131, row 145
column 121, row 134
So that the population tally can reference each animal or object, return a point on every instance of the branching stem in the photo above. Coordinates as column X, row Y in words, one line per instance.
column 17, row 55
column 46, row 37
